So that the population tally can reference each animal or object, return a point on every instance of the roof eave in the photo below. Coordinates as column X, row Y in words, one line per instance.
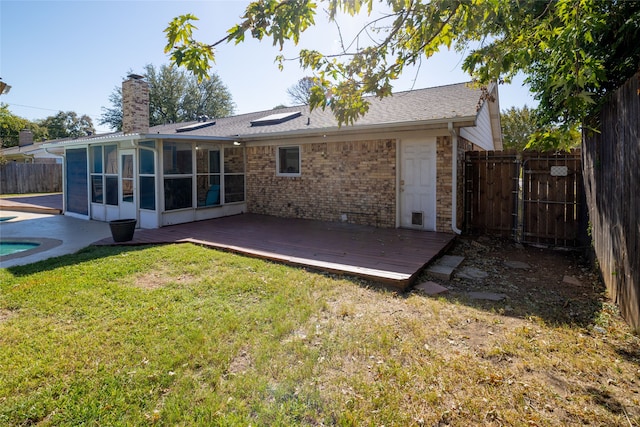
column 190, row 137
column 136, row 137
column 391, row 127
column 494, row 115
column 18, row 155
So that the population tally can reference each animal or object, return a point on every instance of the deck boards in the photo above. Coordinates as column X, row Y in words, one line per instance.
column 391, row 256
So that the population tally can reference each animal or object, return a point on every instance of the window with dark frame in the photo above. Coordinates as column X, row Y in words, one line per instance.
column 288, row 161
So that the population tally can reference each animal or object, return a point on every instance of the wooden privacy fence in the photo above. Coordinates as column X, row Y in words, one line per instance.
column 23, row 178
column 491, row 182
column 531, row 197
column 612, row 179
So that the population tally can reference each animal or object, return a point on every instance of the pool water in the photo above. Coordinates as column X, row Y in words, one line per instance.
column 8, row 248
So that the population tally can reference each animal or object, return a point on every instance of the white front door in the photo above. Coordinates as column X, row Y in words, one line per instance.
column 418, row 183
column 128, row 188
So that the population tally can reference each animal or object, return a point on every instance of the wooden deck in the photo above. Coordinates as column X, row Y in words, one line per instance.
column 390, row 256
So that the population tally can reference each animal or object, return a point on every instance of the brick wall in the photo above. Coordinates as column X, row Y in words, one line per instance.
column 352, row 178
column 233, row 160
column 444, row 185
column 135, row 105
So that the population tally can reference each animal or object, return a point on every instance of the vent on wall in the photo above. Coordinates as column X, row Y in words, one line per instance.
column 274, row 119
column 416, row 218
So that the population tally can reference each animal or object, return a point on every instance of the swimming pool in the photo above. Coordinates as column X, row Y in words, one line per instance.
column 9, row 248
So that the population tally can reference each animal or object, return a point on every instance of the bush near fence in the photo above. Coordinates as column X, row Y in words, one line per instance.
column 611, row 156
column 24, row 178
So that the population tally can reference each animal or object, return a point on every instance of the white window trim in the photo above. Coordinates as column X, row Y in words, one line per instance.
column 299, row 173
column 104, row 174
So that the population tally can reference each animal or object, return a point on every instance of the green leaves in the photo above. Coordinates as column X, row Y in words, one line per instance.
column 180, row 31
column 555, row 138
column 185, row 50
column 195, row 57
column 11, row 125
column 572, row 51
column 175, row 96
column 280, row 20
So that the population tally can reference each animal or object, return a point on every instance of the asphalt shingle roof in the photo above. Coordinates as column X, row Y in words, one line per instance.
column 454, row 101
column 443, row 103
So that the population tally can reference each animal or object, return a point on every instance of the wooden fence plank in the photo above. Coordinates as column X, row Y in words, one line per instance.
column 24, row 178
column 490, row 192
column 611, row 158
column 550, row 208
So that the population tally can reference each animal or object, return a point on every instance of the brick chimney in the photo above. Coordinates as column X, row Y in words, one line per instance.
column 135, row 105
column 25, row 137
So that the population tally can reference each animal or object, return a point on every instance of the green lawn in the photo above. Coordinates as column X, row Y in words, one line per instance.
column 185, row 335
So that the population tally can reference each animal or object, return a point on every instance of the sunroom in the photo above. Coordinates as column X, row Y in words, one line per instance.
column 156, row 181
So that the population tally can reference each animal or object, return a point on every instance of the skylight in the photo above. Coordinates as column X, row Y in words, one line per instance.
column 195, row 126
column 274, row 119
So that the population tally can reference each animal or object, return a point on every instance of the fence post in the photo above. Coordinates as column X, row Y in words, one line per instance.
column 518, row 199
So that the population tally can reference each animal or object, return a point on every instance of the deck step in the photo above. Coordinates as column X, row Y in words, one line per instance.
column 443, row 268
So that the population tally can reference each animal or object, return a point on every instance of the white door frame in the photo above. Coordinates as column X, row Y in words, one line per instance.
column 417, row 185
column 128, row 186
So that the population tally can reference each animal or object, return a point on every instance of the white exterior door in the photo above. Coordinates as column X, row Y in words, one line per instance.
column 128, row 186
column 418, row 183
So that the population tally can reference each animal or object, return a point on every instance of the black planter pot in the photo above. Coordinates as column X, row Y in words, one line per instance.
column 122, row 229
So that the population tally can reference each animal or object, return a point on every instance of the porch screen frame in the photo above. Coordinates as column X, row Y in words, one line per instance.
column 208, row 175
column 180, row 173
column 77, row 181
column 234, row 175
column 147, row 200
column 104, row 175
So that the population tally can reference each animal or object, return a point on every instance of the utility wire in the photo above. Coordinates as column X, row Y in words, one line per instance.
column 93, row 116
column 30, row 106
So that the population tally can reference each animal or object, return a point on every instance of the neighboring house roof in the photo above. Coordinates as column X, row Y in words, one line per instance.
column 56, row 146
column 26, row 151
column 459, row 104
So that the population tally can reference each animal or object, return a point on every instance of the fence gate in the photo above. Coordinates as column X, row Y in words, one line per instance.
column 531, row 197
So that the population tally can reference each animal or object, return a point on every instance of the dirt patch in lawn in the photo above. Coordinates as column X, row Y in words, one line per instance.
column 241, row 363
column 555, row 285
column 160, row 278
column 5, row 315
column 551, row 350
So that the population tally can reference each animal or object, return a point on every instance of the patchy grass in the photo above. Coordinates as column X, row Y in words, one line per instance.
column 184, row 335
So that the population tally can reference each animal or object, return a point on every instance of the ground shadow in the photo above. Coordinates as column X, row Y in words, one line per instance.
column 541, row 290
column 604, row 399
column 557, row 286
column 631, row 354
column 89, row 253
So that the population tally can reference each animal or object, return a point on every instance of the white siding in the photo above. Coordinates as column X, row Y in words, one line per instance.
column 481, row 134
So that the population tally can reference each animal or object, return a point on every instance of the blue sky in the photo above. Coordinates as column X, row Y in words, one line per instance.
column 69, row 55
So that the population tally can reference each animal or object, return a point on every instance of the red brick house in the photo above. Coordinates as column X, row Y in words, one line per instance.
column 399, row 166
